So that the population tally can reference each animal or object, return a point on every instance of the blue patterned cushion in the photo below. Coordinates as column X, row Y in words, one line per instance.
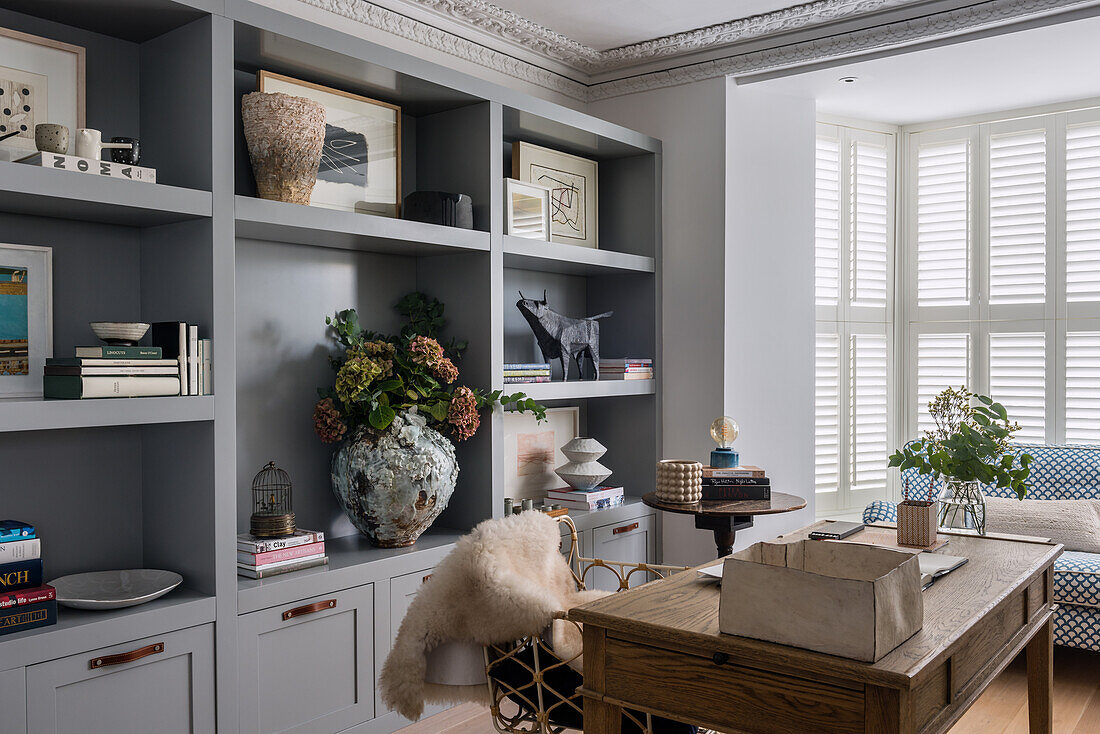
column 1077, row 579
column 1070, row 472
column 1076, row 626
column 880, row 511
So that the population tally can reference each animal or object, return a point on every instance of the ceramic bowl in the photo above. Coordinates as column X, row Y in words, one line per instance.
column 119, row 333
column 114, row 589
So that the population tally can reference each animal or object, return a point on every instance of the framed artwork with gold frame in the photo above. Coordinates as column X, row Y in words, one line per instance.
column 360, row 166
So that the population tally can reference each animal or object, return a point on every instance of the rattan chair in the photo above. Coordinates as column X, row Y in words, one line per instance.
column 522, row 674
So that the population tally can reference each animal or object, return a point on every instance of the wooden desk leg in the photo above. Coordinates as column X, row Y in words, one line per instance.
column 599, row 717
column 1040, row 679
column 887, row 711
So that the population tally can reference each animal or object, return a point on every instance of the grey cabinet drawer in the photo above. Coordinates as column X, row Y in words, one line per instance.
column 402, row 592
column 630, row 541
column 13, row 701
column 308, row 666
column 163, row 683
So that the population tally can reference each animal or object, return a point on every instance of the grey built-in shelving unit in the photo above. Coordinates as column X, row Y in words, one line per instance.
column 162, row 482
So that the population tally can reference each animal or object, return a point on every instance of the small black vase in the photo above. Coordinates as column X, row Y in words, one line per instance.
column 126, row 157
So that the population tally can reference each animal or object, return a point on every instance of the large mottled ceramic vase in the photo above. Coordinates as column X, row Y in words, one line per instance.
column 285, row 135
column 392, row 488
column 583, row 471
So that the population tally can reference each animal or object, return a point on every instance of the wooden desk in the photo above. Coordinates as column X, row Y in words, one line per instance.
column 726, row 517
column 657, row 648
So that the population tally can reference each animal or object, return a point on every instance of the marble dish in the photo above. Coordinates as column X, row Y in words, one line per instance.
column 119, row 333
column 114, row 589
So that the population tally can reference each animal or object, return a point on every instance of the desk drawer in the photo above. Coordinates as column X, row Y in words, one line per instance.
column 742, row 699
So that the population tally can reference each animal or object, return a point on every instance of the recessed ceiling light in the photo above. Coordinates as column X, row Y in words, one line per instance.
column 848, row 79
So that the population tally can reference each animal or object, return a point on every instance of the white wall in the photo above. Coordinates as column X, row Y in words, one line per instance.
column 737, row 285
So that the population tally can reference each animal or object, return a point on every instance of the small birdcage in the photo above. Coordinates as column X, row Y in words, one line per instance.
column 272, row 510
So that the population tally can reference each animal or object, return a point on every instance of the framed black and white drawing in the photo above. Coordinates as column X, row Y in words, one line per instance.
column 41, row 80
column 26, row 318
column 573, row 190
column 361, row 160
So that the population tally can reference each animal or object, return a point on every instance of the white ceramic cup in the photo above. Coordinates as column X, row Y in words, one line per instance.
column 89, row 143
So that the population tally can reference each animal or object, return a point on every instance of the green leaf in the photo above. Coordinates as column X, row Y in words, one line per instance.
column 381, row 417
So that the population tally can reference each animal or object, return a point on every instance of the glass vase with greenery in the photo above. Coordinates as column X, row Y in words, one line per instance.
column 969, row 446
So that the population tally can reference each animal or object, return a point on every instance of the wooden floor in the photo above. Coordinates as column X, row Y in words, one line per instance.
column 1002, row 709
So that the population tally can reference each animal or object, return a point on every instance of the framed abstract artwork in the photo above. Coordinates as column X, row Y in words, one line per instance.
column 361, row 159
column 532, row 450
column 41, row 80
column 26, row 318
column 573, row 190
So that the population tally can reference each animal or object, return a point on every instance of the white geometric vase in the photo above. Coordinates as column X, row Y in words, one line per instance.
column 583, row 471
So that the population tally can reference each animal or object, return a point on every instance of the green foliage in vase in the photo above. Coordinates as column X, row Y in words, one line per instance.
column 971, row 442
column 378, row 375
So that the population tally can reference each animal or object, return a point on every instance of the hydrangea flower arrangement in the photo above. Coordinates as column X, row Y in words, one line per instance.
column 378, row 375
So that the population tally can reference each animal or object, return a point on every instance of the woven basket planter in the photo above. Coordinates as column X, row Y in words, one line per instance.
column 917, row 523
column 285, row 135
column 679, row 481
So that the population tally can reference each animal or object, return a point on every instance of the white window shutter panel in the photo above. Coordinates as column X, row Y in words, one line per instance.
column 868, row 412
column 870, row 224
column 827, row 222
column 827, row 413
column 1083, row 213
column 1083, row 387
column 943, row 224
column 943, row 360
column 1017, row 217
column 1017, row 380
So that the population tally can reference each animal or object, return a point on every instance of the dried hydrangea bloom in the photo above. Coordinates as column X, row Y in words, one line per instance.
column 327, row 421
column 462, row 414
column 355, row 376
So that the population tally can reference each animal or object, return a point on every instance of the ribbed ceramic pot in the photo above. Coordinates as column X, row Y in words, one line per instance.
column 285, row 135
column 393, row 487
column 583, row 471
column 679, row 481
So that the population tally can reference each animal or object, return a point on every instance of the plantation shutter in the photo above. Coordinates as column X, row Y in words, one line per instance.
column 1083, row 387
column 871, row 224
column 827, row 222
column 943, row 224
column 868, row 412
column 1017, row 218
column 1083, row 213
column 827, row 413
column 943, row 360
column 1017, row 379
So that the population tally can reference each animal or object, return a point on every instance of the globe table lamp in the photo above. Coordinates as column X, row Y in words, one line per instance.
column 724, row 431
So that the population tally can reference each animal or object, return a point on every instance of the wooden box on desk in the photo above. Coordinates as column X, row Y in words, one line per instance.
column 856, row 601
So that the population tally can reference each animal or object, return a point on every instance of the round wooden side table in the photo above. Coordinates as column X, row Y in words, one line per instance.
column 726, row 517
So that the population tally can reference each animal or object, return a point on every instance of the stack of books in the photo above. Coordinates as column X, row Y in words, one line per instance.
column 195, row 356
column 738, row 483
column 515, row 372
column 626, row 369
column 599, row 498
column 110, row 169
column 25, row 601
column 259, row 558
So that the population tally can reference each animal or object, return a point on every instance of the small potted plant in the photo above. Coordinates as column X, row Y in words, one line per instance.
column 969, row 447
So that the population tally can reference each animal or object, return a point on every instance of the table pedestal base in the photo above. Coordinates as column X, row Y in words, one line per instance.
column 725, row 527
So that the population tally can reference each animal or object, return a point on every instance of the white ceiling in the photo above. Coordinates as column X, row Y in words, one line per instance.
column 1028, row 68
column 604, row 24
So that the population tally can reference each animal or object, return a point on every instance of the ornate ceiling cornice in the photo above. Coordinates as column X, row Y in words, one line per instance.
column 503, row 25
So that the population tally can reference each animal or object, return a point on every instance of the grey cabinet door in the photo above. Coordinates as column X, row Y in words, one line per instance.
column 163, row 684
column 13, row 701
column 402, row 592
column 308, row 666
column 632, row 541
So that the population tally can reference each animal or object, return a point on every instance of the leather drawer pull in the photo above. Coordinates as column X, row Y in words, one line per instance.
column 126, row 657
column 625, row 528
column 318, row 606
column 425, row 579
column 720, row 658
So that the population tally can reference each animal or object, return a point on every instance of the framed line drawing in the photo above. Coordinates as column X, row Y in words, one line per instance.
column 361, row 159
column 532, row 450
column 26, row 318
column 573, row 185
column 41, row 80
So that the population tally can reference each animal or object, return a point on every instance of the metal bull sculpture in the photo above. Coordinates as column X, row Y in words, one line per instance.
column 560, row 336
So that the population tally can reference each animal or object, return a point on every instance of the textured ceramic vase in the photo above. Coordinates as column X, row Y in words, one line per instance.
column 51, row 138
column 393, row 487
column 583, row 471
column 285, row 135
column 679, row 480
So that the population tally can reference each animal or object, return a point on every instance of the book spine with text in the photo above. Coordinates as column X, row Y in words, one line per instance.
column 20, row 550
column 584, row 495
column 602, row 504
column 250, row 544
column 110, row 169
column 192, row 360
column 27, row 596
column 743, row 471
column 522, row 380
column 76, row 371
column 86, row 388
column 259, row 573
column 736, row 481
column 277, row 556
column 526, row 366
column 207, row 367
column 20, row 575
column 737, row 493
column 28, row 616
column 117, row 353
